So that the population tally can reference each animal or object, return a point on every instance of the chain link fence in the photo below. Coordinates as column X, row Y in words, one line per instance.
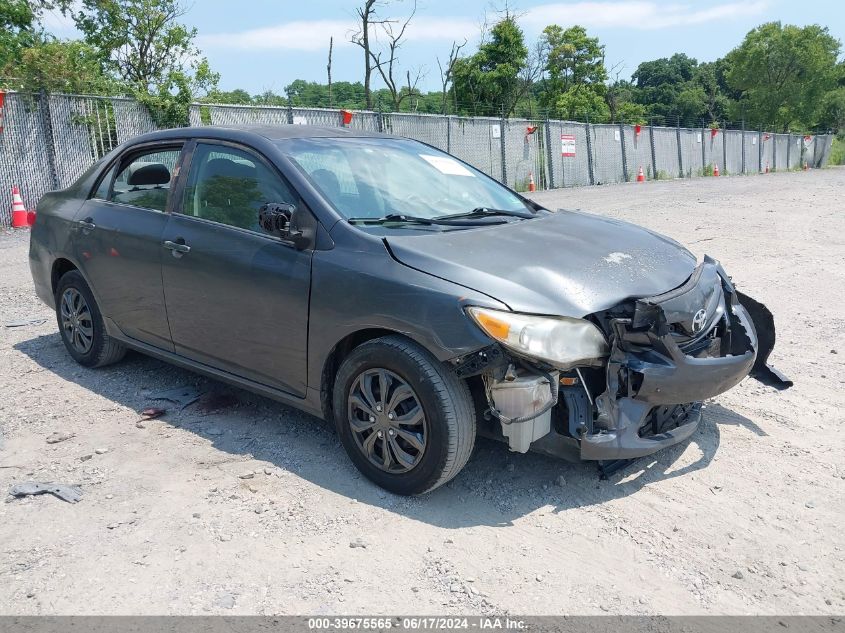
column 48, row 141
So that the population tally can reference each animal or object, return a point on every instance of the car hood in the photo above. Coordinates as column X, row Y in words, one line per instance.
column 567, row 263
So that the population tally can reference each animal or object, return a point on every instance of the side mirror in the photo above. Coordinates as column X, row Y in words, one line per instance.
column 280, row 219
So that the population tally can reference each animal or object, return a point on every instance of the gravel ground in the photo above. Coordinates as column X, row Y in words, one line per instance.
column 237, row 504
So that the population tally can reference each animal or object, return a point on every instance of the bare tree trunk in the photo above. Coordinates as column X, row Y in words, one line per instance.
column 446, row 73
column 365, row 14
column 329, row 72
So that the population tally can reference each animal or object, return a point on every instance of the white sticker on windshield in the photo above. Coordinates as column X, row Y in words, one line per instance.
column 446, row 165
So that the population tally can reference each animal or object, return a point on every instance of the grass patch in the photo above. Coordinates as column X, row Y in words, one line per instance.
column 837, row 152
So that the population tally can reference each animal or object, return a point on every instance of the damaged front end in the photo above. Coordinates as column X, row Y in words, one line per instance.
column 664, row 355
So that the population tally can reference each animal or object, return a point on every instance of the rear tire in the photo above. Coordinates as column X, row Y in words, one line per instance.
column 425, row 448
column 81, row 324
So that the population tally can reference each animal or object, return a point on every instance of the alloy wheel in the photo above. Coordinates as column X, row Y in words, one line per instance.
column 387, row 420
column 77, row 323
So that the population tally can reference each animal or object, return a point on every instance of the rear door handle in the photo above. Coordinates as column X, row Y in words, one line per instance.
column 87, row 224
column 178, row 247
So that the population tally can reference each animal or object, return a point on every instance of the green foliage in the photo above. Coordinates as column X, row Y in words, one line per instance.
column 20, row 28
column 622, row 105
column 574, row 65
column 782, row 74
column 579, row 102
column 660, row 83
column 142, row 43
column 491, row 79
column 832, row 110
column 837, row 151
column 61, row 66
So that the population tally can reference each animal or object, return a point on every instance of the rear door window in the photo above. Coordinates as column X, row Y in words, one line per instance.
column 144, row 180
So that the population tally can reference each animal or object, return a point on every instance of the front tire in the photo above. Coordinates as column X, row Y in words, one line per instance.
column 81, row 324
column 406, row 421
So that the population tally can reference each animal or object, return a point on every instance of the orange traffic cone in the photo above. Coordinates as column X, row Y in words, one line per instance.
column 716, row 169
column 531, row 185
column 640, row 175
column 19, row 216
column 806, row 166
column 767, row 167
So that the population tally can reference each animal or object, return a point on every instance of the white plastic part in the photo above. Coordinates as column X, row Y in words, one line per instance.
column 519, row 398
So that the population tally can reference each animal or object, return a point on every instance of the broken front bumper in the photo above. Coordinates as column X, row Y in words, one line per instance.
column 653, row 372
column 662, row 375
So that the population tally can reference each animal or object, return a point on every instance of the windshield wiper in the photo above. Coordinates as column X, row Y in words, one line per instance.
column 484, row 212
column 392, row 217
column 402, row 218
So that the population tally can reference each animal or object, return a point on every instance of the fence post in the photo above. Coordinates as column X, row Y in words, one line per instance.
column 590, row 152
column 624, row 157
column 724, row 149
column 815, row 150
column 680, row 153
column 653, row 153
column 743, row 147
column 379, row 118
column 49, row 141
column 448, row 134
column 502, row 145
column 703, row 153
column 774, row 151
column 788, row 149
column 549, row 155
column 760, row 150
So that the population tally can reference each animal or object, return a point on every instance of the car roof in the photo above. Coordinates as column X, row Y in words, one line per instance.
column 270, row 132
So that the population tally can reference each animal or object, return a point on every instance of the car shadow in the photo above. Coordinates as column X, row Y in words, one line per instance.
column 495, row 488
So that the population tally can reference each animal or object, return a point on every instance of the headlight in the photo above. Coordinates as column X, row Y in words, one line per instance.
column 560, row 341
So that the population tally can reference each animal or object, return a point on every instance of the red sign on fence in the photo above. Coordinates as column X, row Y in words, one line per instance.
column 567, row 145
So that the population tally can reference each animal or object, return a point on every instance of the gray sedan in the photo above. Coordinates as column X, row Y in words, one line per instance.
column 387, row 286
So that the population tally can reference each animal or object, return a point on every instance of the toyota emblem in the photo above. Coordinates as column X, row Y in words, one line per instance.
column 698, row 321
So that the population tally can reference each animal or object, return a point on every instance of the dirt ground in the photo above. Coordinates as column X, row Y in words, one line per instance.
column 239, row 505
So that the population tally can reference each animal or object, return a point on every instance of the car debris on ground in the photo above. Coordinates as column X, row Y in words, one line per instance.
column 65, row 492
column 25, row 322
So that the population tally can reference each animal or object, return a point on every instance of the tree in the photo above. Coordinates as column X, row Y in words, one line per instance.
column 621, row 103
column 234, row 97
column 783, row 73
column 329, row 71
column 578, row 104
column 573, row 62
column 447, row 71
column 361, row 37
column 659, row 84
column 491, row 80
column 143, row 43
column 388, row 66
column 20, row 27
column 832, row 116
column 62, row 66
column 711, row 77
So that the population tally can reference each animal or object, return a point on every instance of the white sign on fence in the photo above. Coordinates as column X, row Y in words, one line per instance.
column 567, row 145
column 496, row 130
column 300, row 120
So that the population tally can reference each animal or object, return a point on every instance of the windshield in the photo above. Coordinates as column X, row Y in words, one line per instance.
column 379, row 177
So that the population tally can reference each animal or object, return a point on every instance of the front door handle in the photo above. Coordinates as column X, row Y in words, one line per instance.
column 87, row 224
column 178, row 247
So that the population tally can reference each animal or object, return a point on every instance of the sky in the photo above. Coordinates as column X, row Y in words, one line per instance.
column 263, row 45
